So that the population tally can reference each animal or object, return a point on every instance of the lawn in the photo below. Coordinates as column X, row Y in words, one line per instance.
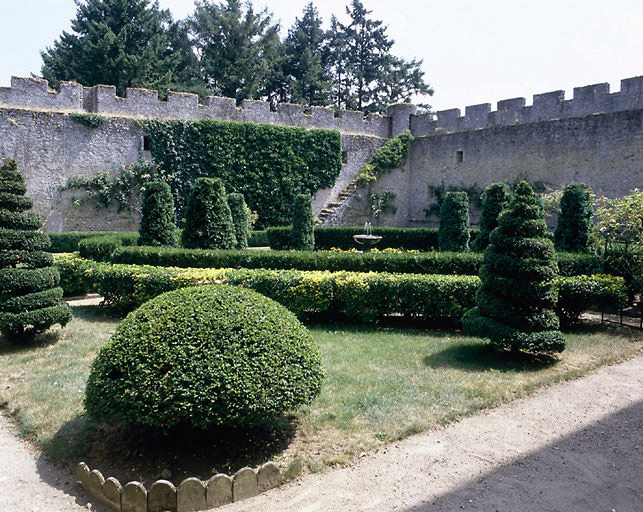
column 382, row 384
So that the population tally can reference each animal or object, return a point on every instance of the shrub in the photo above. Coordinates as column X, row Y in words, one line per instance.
column 68, row 241
column 258, row 238
column 30, row 298
column 453, row 234
column 516, row 298
column 302, row 233
column 158, row 222
column 204, row 356
column 495, row 199
column 208, row 221
column 239, row 212
column 390, row 156
column 101, row 248
column 577, row 294
column 575, row 220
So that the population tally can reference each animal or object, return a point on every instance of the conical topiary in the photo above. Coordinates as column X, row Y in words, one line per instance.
column 30, row 299
column 303, row 225
column 208, row 222
column 495, row 199
column 575, row 220
column 453, row 234
column 158, row 221
column 239, row 212
column 517, row 295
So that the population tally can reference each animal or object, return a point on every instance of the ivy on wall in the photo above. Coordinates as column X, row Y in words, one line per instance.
column 91, row 121
column 391, row 155
column 268, row 164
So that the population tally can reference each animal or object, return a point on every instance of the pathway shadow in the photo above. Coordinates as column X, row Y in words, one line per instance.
column 595, row 468
column 479, row 357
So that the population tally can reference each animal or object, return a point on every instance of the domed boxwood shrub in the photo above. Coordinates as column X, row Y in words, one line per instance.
column 30, row 298
column 158, row 221
column 205, row 356
column 516, row 298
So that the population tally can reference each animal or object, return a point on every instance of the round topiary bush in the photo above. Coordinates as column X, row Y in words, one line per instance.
column 158, row 221
column 30, row 298
column 204, row 356
column 453, row 233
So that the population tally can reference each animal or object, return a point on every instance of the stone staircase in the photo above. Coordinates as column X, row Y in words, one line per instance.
column 332, row 206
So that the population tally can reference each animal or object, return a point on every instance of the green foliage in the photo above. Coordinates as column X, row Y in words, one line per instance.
column 91, row 121
column 453, row 234
column 30, row 299
column 208, row 221
column 101, row 248
column 257, row 238
column 391, row 155
column 381, row 203
column 496, row 198
column 474, row 192
column 518, row 292
column 158, row 223
column 68, row 241
column 212, row 356
column 302, row 233
column 359, row 296
column 239, row 211
column 105, row 188
column 619, row 221
column 579, row 293
column 268, row 164
column 575, row 220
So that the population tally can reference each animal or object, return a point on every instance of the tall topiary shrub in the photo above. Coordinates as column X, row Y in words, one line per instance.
column 239, row 211
column 158, row 222
column 303, row 224
column 208, row 221
column 496, row 198
column 516, row 298
column 30, row 299
column 575, row 220
column 453, row 234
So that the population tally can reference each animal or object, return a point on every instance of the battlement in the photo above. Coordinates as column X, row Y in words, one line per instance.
column 102, row 99
column 34, row 93
column 591, row 99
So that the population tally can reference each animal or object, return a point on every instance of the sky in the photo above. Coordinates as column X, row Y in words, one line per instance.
column 473, row 51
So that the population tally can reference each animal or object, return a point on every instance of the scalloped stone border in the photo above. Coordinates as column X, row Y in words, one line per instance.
column 191, row 495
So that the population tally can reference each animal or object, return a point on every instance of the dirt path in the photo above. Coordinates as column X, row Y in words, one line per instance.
column 576, row 446
column 572, row 447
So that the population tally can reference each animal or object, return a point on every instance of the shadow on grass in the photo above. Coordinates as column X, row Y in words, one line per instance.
column 15, row 345
column 480, row 357
column 144, row 454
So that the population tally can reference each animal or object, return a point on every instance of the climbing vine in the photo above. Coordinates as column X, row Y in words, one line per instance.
column 91, row 121
column 391, row 155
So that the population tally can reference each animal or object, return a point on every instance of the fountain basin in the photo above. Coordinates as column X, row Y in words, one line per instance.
column 367, row 240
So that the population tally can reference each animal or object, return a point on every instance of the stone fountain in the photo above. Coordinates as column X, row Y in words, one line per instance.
column 367, row 239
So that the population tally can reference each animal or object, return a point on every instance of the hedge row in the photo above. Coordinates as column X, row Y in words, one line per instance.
column 360, row 296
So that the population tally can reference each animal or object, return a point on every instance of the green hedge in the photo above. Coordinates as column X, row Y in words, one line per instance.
column 101, row 248
column 68, row 241
column 258, row 238
column 360, row 296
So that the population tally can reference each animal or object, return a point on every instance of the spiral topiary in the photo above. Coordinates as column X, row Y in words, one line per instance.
column 30, row 299
column 158, row 222
column 303, row 225
column 453, row 233
column 204, row 356
column 575, row 220
column 239, row 212
column 496, row 198
column 516, row 298
column 208, row 221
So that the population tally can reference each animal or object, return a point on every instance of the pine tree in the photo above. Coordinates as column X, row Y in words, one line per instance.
column 114, row 42
column 30, row 298
column 303, row 224
column 208, row 221
column 453, row 233
column 516, row 299
column 496, row 198
column 158, row 222
column 575, row 220
column 239, row 212
column 237, row 47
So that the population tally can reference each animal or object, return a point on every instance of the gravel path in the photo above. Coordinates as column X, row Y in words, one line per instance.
column 571, row 447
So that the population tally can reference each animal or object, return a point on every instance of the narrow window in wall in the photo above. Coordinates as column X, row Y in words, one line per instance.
column 459, row 156
column 147, row 143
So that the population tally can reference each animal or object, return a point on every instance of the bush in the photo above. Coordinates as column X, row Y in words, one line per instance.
column 302, row 233
column 68, row 241
column 453, row 234
column 516, row 298
column 391, row 155
column 495, row 199
column 101, row 248
column 212, row 356
column 577, row 294
column 258, row 238
column 239, row 212
column 30, row 298
column 208, row 221
column 575, row 220
column 158, row 222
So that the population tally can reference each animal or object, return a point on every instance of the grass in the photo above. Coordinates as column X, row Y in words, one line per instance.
column 382, row 385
